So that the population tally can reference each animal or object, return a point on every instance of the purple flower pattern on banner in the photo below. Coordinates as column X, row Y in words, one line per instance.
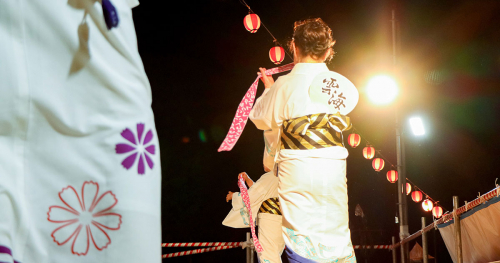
column 140, row 148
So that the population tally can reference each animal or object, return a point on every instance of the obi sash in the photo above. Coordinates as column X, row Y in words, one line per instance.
column 271, row 206
column 314, row 131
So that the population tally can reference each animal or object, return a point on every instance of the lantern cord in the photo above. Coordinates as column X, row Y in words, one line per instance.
column 245, row 4
column 428, row 197
column 377, row 151
column 392, row 165
column 262, row 22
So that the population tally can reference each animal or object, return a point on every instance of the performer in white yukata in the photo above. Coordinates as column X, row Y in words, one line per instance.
column 264, row 201
column 308, row 108
column 79, row 156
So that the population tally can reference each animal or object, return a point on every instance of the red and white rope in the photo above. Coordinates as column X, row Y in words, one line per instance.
column 202, row 244
column 196, row 251
column 227, row 245
column 373, row 247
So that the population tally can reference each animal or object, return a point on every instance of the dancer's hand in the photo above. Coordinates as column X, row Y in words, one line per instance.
column 247, row 179
column 229, row 196
column 266, row 79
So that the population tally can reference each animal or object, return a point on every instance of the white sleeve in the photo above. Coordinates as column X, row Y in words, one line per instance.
column 264, row 188
column 265, row 112
column 259, row 192
column 237, row 201
column 133, row 3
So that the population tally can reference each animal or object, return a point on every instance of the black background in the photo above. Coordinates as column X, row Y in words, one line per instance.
column 200, row 61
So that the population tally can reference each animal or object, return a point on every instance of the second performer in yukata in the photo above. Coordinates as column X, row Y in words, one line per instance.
column 264, row 203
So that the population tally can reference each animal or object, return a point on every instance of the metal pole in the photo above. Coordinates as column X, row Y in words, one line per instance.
column 249, row 249
column 403, row 213
column 252, row 255
column 394, row 258
column 435, row 248
column 394, row 37
column 424, row 243
column 457, row 230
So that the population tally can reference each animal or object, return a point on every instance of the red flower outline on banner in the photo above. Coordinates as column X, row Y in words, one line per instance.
column 85, row 218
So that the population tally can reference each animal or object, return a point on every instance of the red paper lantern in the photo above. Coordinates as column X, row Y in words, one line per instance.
column 437, row 211
column 251, row 22
column 408, row 189
column 416, row 196
column 277, row 54
column 378, row 164
column 368, row 152
column 354, row 140
column 427, row 205
column 392, row 176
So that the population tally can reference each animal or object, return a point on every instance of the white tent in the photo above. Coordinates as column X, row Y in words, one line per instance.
column 480, row 229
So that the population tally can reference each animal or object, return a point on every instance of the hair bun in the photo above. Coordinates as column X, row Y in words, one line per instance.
column 313, row 37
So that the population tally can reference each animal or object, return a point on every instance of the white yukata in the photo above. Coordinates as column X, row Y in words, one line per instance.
column 269, row 224
column 261, row 191
column 80, row 173
column 312, row 183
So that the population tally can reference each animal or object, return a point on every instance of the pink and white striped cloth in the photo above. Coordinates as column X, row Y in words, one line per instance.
column 246, row 200
column 246, row 104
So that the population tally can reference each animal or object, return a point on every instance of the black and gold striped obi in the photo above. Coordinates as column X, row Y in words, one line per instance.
column 271, row 206
column 314, row 131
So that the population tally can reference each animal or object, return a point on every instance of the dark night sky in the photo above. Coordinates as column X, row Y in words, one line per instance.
column 200, row 61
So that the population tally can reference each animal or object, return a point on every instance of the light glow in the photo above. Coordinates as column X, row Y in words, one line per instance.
column 417, row 126
column 382, row 89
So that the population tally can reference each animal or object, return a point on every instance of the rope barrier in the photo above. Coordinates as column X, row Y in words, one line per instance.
column 447, row 217
column 202, row 244
column 228, row 245
column 372, row 247
column 196, row 251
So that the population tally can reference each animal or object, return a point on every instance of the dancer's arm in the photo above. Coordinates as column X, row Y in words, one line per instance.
column 263, row 113
column 266, row 79
column 248, row 180
column 229, row 196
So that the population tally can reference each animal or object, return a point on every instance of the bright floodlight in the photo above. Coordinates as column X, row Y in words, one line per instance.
column 417, row 126
column 382, row 89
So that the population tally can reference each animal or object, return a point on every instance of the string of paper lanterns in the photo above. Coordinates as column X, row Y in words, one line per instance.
column 368, row 152
column 378, row 164
column 428, row 204
column 252, row 23
column 437, row 211
column 277, row 54
column 416, row 196
column 408, row 188
column 354, row 140
column 392, row 176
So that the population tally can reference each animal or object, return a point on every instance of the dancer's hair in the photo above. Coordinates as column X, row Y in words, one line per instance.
column 313, row 37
